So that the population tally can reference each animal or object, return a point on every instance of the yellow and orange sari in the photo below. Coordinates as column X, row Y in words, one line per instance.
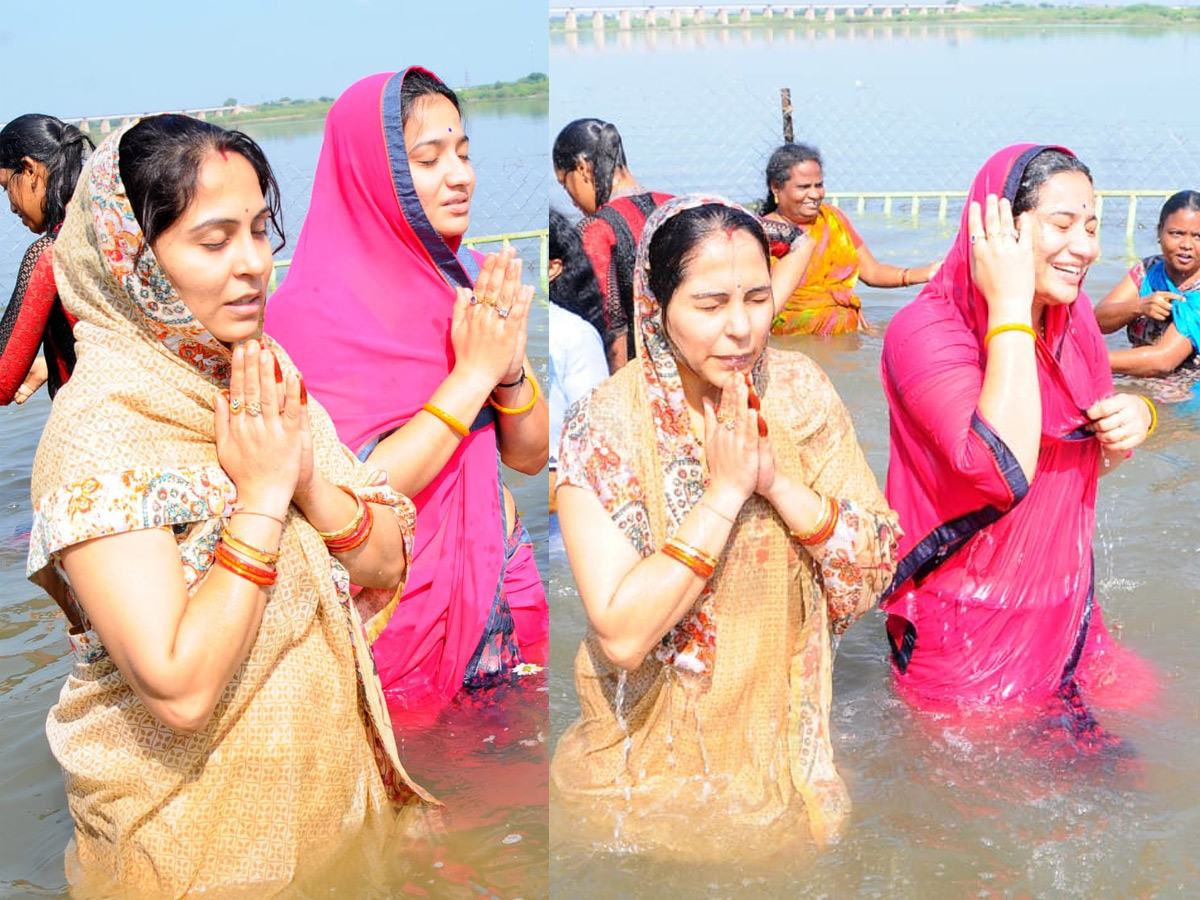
column 824, row 302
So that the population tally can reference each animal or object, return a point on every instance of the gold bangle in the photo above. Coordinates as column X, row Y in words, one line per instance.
column 359, row 512
column 516, row 411
column 1153, row 414
column 691, row 549
column 447, row 418
column 238, row 511
column 261, row 554
column 1008, row 326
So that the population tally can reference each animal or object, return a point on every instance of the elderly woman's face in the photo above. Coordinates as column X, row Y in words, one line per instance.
column 801, row 195
column 719, row 317
column 1065, row 243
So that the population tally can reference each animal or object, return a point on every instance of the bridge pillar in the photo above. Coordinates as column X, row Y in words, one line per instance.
column 698, row 16
column 869, row 12
column 849, row 12
column 597, row 21
column 768, row 12
column 105, row 126
column 676, row 19
column 887, row 12
column 83, row 126
column 746, row 19
column 572, row 22
column 923, row 11
column 789, row 12
column 623, row 20
column 723, row 16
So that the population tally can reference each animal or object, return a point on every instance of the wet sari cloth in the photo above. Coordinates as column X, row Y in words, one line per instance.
column 993, row 601
column 825, row 302
column 365, row 312
column 719, row 742
column 299, row 757
column 1150, row 275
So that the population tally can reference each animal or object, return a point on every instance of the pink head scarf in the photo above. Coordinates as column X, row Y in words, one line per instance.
column 365, row 313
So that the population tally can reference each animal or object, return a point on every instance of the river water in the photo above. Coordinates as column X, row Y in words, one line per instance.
column 938, row 812
column 487, row 762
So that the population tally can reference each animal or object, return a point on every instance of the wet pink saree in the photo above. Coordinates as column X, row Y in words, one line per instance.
column 993, row 599
column 365, row 314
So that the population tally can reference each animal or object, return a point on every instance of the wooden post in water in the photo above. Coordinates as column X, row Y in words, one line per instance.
column 785, row 103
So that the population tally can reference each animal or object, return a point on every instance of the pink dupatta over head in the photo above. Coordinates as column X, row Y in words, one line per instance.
column 365, row 313
column 993, row 597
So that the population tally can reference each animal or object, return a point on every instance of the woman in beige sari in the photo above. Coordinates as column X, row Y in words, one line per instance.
column 723, row 529
column 201, row 527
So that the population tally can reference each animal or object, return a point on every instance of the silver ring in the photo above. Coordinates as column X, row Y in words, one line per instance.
column 253, row 409
column 502, row 313
column 974, row 238
column 235, row 406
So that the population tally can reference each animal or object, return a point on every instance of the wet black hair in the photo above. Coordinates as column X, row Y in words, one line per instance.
column 575, row 289
column 1183, row 200
column 779, row 169
column 675, row 243
column 160, row 160
column 599, row 143
column 60, row 147
column 417, row 84
column 1044, row 166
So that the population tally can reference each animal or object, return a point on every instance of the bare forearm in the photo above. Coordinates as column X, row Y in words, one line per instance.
column 1010, row 400
column 658, row 592
column 378, row 562
column 524, row 437
column 1152, row 362
column 417, row 451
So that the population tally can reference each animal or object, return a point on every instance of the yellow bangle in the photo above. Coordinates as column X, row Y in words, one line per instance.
column 447, row 418
column 1153, row 414
column 262, row 555
column 516, row 411
column 1008, row 326
column 359, row 512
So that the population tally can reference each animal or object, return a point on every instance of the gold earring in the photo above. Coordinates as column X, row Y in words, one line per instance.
column 775, row 197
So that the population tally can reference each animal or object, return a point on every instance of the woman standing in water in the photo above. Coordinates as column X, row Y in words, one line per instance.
column 40, row 160
column 820, row 298
column 222, row 726
column 723, row 529
column 424, row 378
column 1003, row 418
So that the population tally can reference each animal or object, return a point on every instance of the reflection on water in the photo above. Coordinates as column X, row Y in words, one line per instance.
column 947, row 807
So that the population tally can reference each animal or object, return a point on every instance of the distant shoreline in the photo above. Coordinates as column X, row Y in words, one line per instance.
column 1141, row 14
column 533, row 86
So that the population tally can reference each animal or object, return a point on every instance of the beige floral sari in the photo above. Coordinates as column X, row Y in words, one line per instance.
column 299, row 756
column 718, row 745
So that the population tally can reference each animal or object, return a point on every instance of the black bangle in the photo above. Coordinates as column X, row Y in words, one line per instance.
column 520, row 381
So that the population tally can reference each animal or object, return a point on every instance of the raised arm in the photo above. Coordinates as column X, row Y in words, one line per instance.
column 1123, row 304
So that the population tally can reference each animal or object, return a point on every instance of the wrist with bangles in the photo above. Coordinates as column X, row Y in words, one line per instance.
column 518, row 410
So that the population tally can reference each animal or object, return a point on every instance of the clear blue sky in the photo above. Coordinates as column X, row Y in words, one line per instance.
column 82, row 57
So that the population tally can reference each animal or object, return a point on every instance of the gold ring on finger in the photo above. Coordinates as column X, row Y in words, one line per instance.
column 235, row 406
column 253, row 409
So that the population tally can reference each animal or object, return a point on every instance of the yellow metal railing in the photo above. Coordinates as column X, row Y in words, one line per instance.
column 917, row 199
column 541, row 235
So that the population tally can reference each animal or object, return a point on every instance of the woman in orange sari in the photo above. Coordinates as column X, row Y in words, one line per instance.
column 823, row 300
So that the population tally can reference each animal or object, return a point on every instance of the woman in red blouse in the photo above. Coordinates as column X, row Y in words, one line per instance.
column 40, row 161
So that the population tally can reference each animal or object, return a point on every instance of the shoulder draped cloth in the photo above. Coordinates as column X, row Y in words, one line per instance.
column 725, row 727
column 299, row 754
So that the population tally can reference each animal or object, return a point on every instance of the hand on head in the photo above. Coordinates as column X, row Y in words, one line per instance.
column 1002, row 258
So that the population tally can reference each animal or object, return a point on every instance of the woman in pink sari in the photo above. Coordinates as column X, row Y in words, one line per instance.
column 1003, row 417
column 423, row 378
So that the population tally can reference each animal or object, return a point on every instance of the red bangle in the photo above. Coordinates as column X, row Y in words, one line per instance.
column 824, row 529
column 229, row 560
column 698, row 566
column 358, row 536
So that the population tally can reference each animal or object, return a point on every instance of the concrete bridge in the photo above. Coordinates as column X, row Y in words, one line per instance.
column 677, row 16
column 105, row 123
